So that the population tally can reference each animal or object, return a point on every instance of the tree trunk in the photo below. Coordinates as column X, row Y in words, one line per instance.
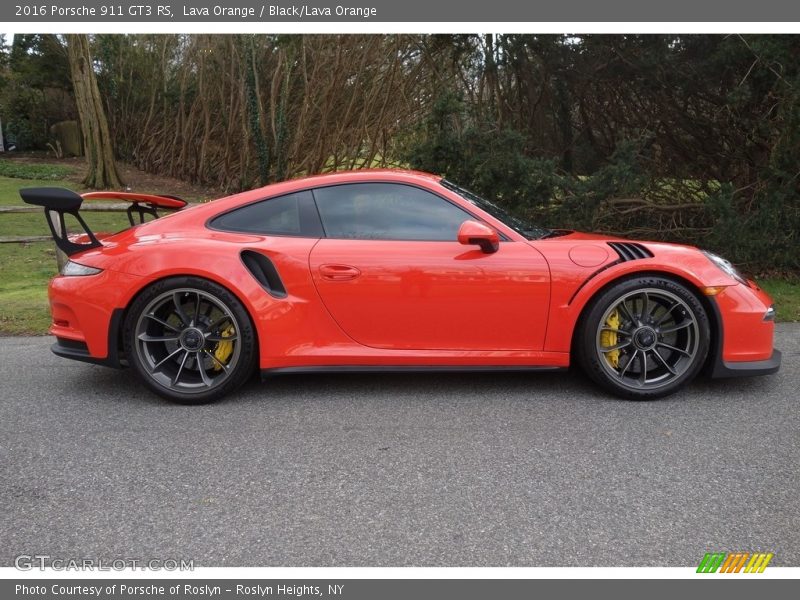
column 97, row 141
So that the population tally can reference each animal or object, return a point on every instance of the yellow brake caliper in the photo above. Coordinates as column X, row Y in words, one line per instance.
column 224, row 348
column 609, row 338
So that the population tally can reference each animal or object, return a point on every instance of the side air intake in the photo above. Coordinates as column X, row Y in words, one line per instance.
column 265, row 272
column 630, row 251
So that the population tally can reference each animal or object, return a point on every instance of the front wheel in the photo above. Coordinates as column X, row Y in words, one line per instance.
column 644, row 338
column 190, row 340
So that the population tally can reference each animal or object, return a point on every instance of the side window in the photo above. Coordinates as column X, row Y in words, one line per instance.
column 386, row 211
column 290, row 215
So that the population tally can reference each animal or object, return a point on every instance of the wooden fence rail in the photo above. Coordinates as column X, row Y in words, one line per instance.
column 16, row 239
column 26, row 239
column 61, row 258
column 88, row 207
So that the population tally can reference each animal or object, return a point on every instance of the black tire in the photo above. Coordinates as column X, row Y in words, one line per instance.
column 190, row 340
column 643, row 338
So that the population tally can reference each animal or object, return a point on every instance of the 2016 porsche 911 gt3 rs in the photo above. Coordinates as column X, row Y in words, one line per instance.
column 390, row 270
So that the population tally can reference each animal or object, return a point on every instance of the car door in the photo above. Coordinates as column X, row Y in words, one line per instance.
column 392, row 274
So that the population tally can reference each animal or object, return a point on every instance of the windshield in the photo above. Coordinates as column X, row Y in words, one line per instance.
column 520, row 225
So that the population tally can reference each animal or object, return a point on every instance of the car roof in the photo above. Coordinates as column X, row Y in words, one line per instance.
column 206, row 210
column 288, row 186
column 365, row 175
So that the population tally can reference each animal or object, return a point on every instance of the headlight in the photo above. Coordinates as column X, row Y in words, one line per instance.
column 73, row 269
column 725, row 266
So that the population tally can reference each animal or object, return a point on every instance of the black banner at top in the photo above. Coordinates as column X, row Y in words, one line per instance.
column 387, row 11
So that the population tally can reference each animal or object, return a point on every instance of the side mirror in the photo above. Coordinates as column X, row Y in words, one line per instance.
column 474, row 233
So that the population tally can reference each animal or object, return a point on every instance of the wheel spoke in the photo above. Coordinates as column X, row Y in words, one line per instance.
column 203, row 375
column 666, row 314
column 643, row 374
column 663, row 362
column 218, row 322
column 146, row 337
column 676, row 327
column 216, row 360
column 626, row 310
column 673, row 348
column 162, row 322
column 196, row 315
column 176, row 300
column 221, row 338
column 645, row 307
column 617, row 331
column 629, row 363
column 619, row 346
column 167, row 357
column 180, row 369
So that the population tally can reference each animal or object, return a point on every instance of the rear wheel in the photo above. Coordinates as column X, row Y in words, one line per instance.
column 190, row 340
column 644, row 338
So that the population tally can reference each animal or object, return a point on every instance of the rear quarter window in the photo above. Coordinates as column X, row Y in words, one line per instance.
column 290, row 215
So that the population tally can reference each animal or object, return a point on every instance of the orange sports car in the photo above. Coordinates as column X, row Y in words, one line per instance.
column 389, row 270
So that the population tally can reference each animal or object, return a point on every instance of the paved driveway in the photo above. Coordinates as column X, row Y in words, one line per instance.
column 373, row 470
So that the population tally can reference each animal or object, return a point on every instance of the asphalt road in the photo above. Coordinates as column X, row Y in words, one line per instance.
column 395, row 470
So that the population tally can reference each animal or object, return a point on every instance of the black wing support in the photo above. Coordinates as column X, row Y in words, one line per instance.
column 58, row 202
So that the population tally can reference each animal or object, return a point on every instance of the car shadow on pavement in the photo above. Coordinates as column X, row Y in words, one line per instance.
column 100, row 384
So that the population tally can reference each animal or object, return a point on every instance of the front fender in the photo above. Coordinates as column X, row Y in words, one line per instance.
column 681, row 262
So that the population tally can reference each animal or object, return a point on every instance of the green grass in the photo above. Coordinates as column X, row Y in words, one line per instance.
column 26, row 170
column 25, row 270
column 10, row 186
column 786, row 294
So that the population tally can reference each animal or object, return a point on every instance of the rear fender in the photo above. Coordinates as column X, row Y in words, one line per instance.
column 287, row 324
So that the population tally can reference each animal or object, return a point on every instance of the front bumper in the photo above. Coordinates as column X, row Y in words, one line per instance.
column 724, row 369
column 746, row 330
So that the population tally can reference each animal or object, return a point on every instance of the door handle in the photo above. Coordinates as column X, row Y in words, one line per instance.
column 338, row 272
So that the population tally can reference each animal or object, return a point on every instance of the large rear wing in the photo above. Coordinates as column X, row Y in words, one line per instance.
column 58, row 202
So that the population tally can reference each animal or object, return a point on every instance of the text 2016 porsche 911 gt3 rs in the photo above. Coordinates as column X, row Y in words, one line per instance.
column 391, row 270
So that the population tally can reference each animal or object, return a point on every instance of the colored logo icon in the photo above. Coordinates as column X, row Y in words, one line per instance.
column 734, row 562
